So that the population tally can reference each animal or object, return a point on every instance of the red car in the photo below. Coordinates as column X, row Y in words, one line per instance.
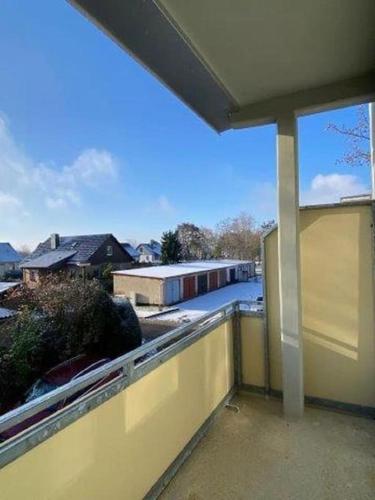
column 56, row 377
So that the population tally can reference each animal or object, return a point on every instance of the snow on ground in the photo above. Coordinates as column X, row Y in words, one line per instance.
column 150, row 311
column 191, row 310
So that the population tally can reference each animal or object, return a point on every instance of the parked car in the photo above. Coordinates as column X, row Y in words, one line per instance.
column 257, row 306
column 56, row 377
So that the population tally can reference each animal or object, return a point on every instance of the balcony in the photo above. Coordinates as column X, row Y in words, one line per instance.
column 197, row 413
column 162, row 425
column 254, row 453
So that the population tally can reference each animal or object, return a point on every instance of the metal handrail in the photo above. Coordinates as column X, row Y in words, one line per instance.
column 125, row 363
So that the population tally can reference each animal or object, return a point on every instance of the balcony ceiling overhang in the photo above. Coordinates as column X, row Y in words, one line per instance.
column 244, row 62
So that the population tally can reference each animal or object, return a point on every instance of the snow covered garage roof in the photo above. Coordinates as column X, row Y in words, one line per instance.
column 174, row 270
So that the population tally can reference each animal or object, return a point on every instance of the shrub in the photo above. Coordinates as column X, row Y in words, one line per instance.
column 106, row 278
column 63, row 319
column 13, row 275
column 86, row 318
column 23, row 360
column 129, row 334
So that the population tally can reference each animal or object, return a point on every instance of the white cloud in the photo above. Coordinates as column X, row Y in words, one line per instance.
column 92, row 167
column 9, row 202
column 330, row 188
column 33, row 183
column 55, row 202
column 262, row 201
column 164, row 205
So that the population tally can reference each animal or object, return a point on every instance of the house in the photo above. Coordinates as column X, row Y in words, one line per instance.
column 133, row 252
column 149, row 253
column 9, row 259
column 83, row 255
column 166, row 285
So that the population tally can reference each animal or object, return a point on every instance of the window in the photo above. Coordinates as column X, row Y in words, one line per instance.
column 109, row 251
column 32, row 275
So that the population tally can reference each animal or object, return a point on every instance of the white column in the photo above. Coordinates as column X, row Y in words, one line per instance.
column 289, row 266
column 372, row 146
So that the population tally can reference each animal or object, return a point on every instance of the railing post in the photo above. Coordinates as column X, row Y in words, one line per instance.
column 128, row 370
column 237, row 346
column 266, row 345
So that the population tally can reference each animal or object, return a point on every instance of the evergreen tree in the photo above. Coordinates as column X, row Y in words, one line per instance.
column 170, row 248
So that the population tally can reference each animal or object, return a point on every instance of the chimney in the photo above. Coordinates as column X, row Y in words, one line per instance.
column 55, row 241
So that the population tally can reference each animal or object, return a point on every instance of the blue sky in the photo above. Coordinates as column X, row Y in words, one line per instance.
column 90, row 142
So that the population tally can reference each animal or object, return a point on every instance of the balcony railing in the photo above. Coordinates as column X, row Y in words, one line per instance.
column 127, row 369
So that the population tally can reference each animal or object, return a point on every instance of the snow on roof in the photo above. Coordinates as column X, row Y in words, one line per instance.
column 163, row 272
column 47, row 260
column 131, row 250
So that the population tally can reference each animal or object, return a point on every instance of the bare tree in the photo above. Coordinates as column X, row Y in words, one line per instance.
column 238, row 238
column 357, row 139
column 267, row 225
column 192, row 240
column 209, row 242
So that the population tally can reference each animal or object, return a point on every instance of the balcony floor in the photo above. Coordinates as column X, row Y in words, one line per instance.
column 255, row 454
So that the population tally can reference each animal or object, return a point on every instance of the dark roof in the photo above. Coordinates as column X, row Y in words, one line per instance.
column 131, row 250
column 82, row 248
column 8, row 254
column 54, row 258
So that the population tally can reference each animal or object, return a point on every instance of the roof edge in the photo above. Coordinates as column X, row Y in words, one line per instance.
column 149, row 35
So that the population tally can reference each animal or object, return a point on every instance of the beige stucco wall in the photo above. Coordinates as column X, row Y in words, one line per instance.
column 149, row 290
column 337, row 304
column 252, row 350
column 121, row 448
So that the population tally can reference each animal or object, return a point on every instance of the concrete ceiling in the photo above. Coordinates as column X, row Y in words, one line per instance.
column 240, row 62
column 266, row 48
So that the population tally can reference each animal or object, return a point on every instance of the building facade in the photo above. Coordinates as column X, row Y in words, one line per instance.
column 149, row 253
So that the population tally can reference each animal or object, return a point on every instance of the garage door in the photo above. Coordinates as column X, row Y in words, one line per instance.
column 189, row 287
column 213, row 279
column 172, row 291
column 232, row 275
column 202, row 283
column 223, row 277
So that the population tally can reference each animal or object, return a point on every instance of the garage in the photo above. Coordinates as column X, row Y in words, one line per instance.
column 202, row 284
column 170, row 284
column 213, row 279
column 189, row 287
column 172, row 291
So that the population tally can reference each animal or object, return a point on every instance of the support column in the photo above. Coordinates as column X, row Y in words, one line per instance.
column 372, row 146
column 289, row 266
